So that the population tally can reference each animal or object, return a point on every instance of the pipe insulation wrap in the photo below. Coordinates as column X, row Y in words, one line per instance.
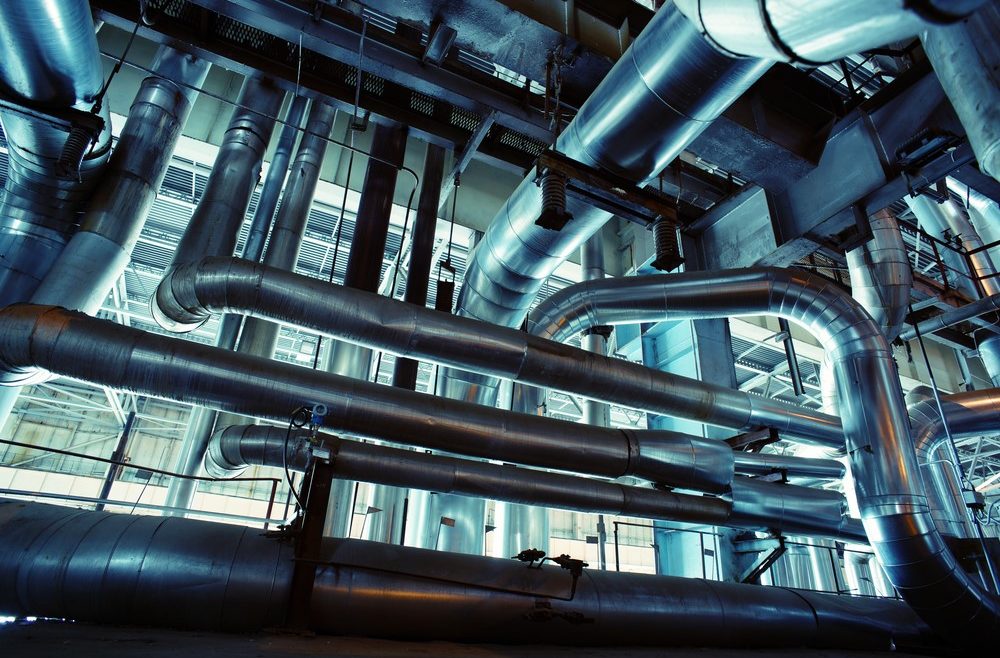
column 98, row 566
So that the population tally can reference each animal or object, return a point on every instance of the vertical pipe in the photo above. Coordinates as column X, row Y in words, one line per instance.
column 421, row 251
column 364, row 267
column 213, row 231
column 274, row 181
column 364, row 263
column 114, row 470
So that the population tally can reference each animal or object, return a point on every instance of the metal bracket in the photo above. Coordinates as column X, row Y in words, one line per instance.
column 754, row 573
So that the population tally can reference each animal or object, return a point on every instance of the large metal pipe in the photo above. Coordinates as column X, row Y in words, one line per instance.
column 98, row 253
column 97, row 566
column 814, row 32
column 791, row 509
column 49, row 62
column 217, row 285
column 672, row 79
column 965, row 57
column 931, row 218
column 890, row 492
column 215, row 224
column 880, row 274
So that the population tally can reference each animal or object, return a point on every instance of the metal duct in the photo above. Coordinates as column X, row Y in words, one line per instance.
column 97, row 566
column 671, row 79
column 967, row 414
column 49, row 62
column 98, row 253
column 789, row 508
column 214, row 227
column 988, row 346
column 966, row 58
column 880, row 273
column 890, row 492
column 217, row 285
column 815, row 31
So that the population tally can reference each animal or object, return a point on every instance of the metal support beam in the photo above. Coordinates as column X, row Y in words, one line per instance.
column 114, row 470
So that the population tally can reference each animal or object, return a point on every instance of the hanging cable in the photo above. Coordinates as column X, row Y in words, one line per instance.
column 294, row 422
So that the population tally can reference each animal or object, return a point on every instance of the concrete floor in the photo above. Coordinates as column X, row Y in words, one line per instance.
column 65, row 640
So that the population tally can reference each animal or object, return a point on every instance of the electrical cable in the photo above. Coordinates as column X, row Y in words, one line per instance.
column 293, row 423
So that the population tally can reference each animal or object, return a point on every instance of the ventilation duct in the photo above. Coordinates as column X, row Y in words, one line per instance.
column 48, row 62
column 670, row 78
column 814, row 32
column 113, row 568
column 677, row 79
column 98, row 253
column 232, row 285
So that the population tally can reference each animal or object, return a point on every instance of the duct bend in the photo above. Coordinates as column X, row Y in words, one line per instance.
column 890, row 493
column 967, row 414
column 215, row 285
column 815, row 32
column 214, row 226
column 671, row 79
column 48, row 61
column 103, row 567
column 746, row 504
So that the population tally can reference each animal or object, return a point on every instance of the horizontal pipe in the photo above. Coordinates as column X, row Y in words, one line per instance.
column 757, row 463
column 230, row 285
column 103, row 567
column 950, row 318
column 791, row 509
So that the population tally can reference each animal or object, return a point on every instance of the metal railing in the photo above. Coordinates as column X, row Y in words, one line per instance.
column 836, row 554
column 138, row 504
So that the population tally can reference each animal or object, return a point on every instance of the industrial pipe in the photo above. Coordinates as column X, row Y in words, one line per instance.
column 215, row 224
column 880, row 274
column 950, row 318
column 670, row 79
column 230, row 285
column 790, row 509
column 98, row 253
column 103, row 567
column 49, row 62
column 815, row 32
column 890, row 493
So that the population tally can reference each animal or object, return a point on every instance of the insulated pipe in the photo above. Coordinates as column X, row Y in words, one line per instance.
column 274, row 181
column 98, row 253
column 965, row 57
column 794, row 509
column 49, row 61
column 890, row 493
column 104, row 567
column 232, row 285
column 950, row 318
column 70, row 344
column 967, row 414
column 259, row 336
column 215, row 224
column 422, row 251
column 880, row 274
column 671, row 79
column 813, row 32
